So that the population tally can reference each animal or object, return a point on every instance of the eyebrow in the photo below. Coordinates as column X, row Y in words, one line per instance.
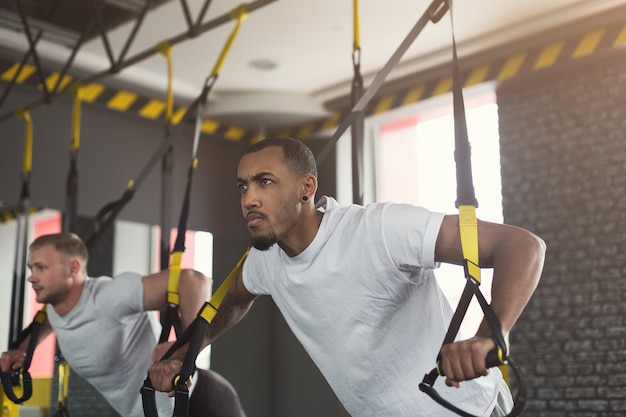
column 257, row 177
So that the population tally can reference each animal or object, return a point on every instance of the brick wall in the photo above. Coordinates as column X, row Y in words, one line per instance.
column 563, row 145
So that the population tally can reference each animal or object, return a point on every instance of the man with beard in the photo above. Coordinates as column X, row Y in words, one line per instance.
column 356, row 286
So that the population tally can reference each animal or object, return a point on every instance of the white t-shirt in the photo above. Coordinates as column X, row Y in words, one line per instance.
column 108, row 340
column 364, row 302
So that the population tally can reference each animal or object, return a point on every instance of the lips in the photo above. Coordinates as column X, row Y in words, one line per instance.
column 253, row 219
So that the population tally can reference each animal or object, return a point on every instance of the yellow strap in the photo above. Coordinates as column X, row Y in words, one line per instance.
column 468, row 226
column 9, row 408
column 166, row 49
column 40, row 317
column 174, row 278
column 357, row 30
column 77, row 90
column 64, row 381
column 240, row 14
column 28, row 140
column 209, row 310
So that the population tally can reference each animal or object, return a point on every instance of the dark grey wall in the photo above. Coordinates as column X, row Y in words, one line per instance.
column 563, row 144
column 271, row 372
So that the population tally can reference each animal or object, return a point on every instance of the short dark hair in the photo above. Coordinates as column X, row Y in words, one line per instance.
column 295, row 153
column 67, row 244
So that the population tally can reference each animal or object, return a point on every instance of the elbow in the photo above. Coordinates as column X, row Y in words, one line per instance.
column 539, row 247
column 540, row 250
column 535, row 254
column 194, row 282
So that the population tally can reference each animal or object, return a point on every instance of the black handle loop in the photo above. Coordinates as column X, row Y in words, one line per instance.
column 20, row 381
column 496, row 357
column 194, row 334
column 493, row 359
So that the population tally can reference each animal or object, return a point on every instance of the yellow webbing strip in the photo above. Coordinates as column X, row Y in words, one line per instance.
column 77, row 90
column 9, row 408
column 40, row 317
column 174, row 278
column 166, row 49
column 357, row 29
column 209, row 310
column 240, row 14
column 468, row 226
column 64, row 381
column 28, row 140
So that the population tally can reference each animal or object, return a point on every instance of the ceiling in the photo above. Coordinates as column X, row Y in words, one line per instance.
column 307, row 43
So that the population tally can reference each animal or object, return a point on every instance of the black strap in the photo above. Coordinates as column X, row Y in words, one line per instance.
column 71, row 195
column 435, row 11
column 16, row 332
column 357, row 128
column 194, row 334
column 466, row 196
column 20, row 259
column 170, row 317
column 198, row 327
column 21, row 379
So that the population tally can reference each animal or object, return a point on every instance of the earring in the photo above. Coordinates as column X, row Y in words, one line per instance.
column 305, row 198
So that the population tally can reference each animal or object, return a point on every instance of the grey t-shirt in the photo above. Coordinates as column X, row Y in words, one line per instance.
column 108, row 340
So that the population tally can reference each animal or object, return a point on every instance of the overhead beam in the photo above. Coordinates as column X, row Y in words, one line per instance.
column 116, row 67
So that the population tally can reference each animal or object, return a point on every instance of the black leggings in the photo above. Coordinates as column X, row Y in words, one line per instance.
column 214, row 396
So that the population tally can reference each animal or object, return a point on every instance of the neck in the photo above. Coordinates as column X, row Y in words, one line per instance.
column 304, row 232
column 66, row 305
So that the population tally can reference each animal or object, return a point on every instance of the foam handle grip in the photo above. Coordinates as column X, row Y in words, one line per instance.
column 494, row 358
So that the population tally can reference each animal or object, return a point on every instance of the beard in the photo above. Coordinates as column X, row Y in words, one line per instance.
column 263, row 242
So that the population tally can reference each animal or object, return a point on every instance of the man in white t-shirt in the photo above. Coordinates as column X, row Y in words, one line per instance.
column 356, row 286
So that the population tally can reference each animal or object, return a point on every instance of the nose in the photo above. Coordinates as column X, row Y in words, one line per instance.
column 249, row 199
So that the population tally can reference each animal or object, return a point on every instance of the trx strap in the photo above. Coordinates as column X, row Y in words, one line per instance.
column 468, row 227
column 63, row 390
column 193, row 335
column 71, row 184
column 167, row 163
column 198, row 327
column 107, row 214
column 21, row 380
column 70, row 217
column 435, row 11
column 21, row 244
column 357, row 126
column 18, row 386
column 169, row 317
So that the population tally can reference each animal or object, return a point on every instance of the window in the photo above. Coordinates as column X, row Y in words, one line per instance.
column 412, row 152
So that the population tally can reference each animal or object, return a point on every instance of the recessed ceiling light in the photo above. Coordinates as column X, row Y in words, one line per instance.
column 263, row 64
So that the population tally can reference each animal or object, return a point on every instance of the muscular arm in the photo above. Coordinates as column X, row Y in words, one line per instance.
column 193, row 290
column 234, row 307
column 13, row 360
column 517, row 257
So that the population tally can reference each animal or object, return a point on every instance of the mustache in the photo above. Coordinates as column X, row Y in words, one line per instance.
column 253, row 214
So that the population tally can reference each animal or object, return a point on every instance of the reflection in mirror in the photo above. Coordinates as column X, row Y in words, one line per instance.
column 135, row 248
